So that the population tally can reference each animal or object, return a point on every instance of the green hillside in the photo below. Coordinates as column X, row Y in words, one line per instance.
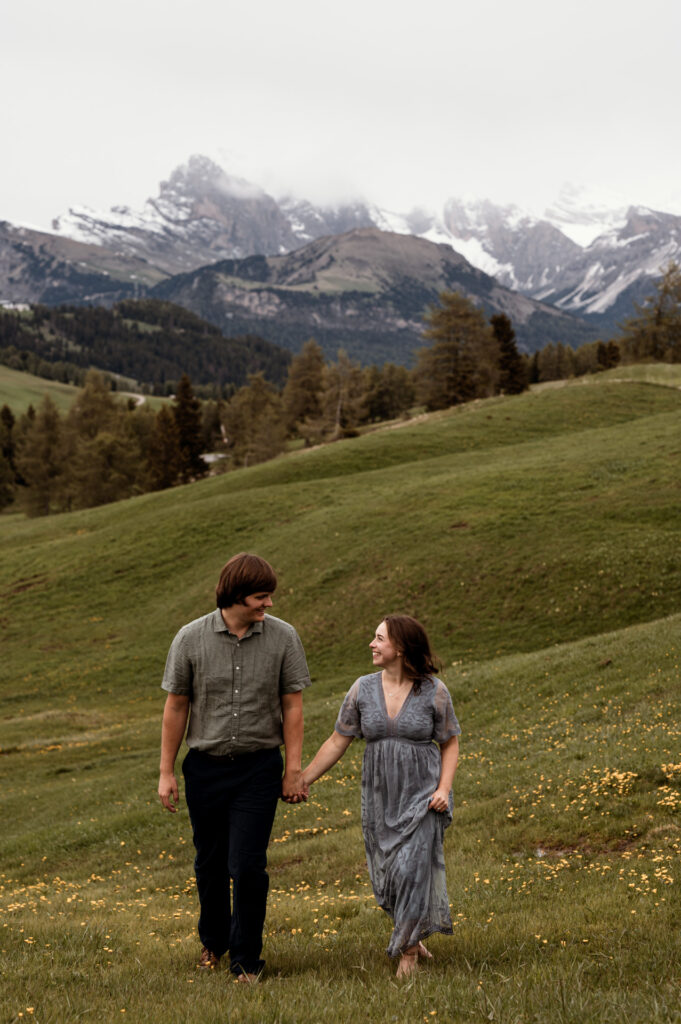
column 538, row 538
column 19, row 390
column 145, row 341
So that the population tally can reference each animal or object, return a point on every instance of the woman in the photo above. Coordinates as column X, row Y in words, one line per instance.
column 406, row 781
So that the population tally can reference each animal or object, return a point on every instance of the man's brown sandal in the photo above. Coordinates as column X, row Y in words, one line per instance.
column 208, row 961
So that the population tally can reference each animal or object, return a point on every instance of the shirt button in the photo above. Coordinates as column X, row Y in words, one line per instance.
column 236, row 691
column 238, row 667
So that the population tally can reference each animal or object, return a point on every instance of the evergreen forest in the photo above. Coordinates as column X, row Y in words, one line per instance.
column 238, row 402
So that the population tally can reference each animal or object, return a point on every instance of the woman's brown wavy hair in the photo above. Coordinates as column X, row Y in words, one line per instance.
column 408, row 636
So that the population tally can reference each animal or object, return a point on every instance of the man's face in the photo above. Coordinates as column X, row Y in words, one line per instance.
column 255, row 606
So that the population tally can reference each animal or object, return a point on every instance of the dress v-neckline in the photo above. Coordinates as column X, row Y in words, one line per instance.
column 393, row 718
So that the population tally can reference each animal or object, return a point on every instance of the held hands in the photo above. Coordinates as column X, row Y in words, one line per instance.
column 439, row 801
column 294, row 788
column 168, row 792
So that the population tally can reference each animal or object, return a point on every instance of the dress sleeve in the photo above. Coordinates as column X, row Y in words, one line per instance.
column 349, row 721
column 446, row 723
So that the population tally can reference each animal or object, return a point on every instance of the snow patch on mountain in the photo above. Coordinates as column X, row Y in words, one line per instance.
column 389, row 220
column 607, row 295
column 84, row 224
column 473, row 250
column 584, row 214
column 605, row 281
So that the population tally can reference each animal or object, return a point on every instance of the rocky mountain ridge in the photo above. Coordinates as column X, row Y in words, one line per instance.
column 36, row 266
column 365, row 291
column 590, row 258
column 600, row 280
column 202, row 215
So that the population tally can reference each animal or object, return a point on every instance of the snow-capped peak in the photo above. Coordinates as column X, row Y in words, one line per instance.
column 582, row 253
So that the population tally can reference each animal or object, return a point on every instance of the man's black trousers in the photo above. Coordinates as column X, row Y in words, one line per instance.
column 232, row 803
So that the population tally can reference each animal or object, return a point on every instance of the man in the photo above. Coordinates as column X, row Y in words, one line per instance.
column 241, row 673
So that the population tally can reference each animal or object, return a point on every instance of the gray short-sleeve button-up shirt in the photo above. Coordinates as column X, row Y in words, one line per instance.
column 235, row 683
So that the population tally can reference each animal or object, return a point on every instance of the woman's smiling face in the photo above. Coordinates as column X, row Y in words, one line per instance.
column 384, row 654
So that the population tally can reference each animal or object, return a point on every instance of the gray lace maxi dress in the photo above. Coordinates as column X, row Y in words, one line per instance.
column 401, row 770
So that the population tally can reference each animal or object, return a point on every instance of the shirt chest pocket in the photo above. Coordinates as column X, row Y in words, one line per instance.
column 217, row 693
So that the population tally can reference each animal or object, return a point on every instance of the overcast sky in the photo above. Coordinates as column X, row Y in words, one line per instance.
column 404, row 103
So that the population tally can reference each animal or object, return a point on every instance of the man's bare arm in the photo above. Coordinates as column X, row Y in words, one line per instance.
column 292, row 789
column 175, row 714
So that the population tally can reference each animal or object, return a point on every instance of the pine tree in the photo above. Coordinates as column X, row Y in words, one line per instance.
column 655, row 332
column 164, row 459
column 211, row 425
column 342, row 400
column 254, row 423
column 8, row 469
column 6, row 482
column 547, row 362
column 613, row 354
column 187, row 412
column 607, row 355
column 7, row 442
column 586, row 359
column 95, row 408
column 104, row 468
column 533, row 369
column 302, row 397
column 388, row 392
column 565, row 361
column 105, row 462
column 41, row 461
column 512, row 373
column 462, row 362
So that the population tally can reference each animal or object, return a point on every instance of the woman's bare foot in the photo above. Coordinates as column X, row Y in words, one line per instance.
column 423, row 953
column 408, row 962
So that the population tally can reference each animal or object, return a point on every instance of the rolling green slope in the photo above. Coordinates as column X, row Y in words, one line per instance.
column 538, row 538
column 19, row 390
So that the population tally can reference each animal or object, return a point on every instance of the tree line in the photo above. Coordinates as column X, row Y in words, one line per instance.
column 146, row 341
column 103, row 449
column 653, row 334
column 471, row 358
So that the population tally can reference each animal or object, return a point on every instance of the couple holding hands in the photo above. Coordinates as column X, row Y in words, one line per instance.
column 235, row 679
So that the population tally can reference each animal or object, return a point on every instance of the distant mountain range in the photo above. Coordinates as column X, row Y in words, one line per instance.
column 595, row 263
column 365, row 291
column 203, row 215
column 575, row 272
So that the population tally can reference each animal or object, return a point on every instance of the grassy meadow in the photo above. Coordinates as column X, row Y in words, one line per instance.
column 18, row 390
column 537, row 537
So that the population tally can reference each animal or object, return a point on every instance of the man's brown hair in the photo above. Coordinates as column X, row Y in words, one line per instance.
column 244, row 574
